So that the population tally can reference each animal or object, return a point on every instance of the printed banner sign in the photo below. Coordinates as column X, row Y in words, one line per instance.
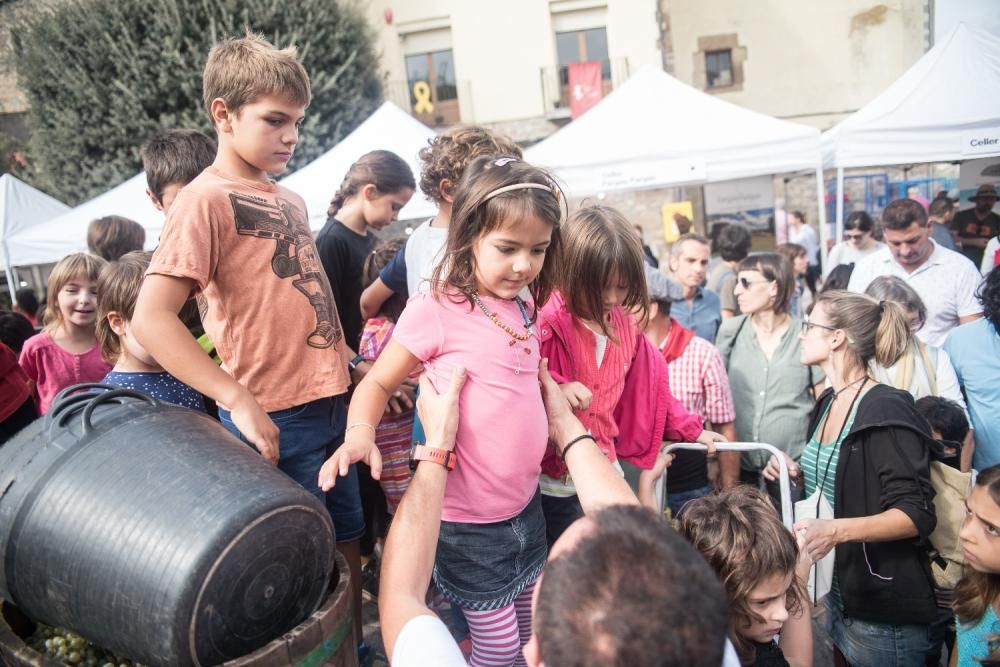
column 585, row 88
column 747, row 200
column 981, row 142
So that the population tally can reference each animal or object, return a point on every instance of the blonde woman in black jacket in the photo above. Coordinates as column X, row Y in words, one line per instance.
column 868, row 452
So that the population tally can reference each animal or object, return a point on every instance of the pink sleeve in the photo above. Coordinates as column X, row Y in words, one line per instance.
column 420, row 329
column 680, row 425
column 28, row 360
column 719, row 408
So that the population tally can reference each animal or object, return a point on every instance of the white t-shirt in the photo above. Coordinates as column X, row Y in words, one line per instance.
column 806, row 237
column 920, row 384
column 946, row 283
column 846, row 253
column 425, row 640
column 991, row 250
column 422, row 251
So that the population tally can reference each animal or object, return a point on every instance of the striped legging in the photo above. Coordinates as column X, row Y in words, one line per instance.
column 499, row 634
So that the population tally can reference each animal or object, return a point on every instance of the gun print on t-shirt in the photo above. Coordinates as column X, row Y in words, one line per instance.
column 294, row 257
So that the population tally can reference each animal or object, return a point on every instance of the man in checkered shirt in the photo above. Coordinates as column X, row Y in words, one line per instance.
column 698, row 380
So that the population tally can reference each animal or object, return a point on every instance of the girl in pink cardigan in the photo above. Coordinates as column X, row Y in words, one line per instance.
column 613, row 377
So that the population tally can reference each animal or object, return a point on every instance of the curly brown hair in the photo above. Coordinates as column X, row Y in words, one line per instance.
column 476, row 213
column 976, row 591
column 447, row 156
column 742, row 538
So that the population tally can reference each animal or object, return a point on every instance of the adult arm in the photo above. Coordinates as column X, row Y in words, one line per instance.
column 597, row 483
column 968, row 306
column 367, row 407
column 989, row 256
column 796, row 635
column 965, row 319
column 720, row 412
column 158, row 329
column 408, row 558
column 900, row 459
column 729, row 462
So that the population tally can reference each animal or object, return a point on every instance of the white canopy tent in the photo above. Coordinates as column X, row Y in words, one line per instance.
column 945, row 108
column 67, row 233
column 655, row 131
column 22, row 207
column 389, row 128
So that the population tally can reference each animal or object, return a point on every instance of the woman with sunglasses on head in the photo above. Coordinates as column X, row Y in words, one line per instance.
column 868, row 453
column 858, row 242
column 773, row 391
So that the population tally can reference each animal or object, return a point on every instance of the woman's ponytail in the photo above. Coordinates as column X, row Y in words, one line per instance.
column 892, row 334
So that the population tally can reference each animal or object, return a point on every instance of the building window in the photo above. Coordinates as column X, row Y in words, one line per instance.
column 430, row 78
column 718, row 63
column 580, row 46
column 719, row 68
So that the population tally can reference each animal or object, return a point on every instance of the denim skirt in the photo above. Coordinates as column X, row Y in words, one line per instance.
column 484, row 566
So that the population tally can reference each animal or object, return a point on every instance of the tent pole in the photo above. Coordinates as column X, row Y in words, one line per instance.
column 10, row 273
column 840, row 204
column 824, row 231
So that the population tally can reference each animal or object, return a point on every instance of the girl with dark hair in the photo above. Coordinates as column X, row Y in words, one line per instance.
column 762, row 570
column 614, row 378
column 868, row 456
column 859, row 242
column 500, row 264
column 373, row 192
column 977, row 595
column 761, row 351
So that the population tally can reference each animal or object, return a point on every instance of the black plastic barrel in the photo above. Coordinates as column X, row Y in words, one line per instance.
column 153, row 532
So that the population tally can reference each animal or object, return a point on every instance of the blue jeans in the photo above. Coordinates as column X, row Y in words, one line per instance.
column 309, row 433
column 677, row 501
column 867, row 644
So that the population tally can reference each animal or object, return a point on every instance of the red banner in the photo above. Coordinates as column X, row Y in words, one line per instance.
column 585, row 87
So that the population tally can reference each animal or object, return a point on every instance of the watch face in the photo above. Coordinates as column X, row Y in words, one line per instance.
column 413, row 461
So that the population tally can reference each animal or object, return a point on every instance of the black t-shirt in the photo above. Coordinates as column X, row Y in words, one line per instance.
column 769, row 655
column 969, row 226
column 343, row 255
column 688, row 472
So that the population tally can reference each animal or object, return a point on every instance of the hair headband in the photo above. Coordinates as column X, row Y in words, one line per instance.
column 503, row 162
column 522, row 186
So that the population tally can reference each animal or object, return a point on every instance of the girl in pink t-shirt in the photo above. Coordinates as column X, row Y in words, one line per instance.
column 66, row 351
column 614, row 379
column 503, row 245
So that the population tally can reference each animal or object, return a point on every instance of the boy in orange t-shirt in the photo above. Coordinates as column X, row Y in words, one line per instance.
column 243, row 242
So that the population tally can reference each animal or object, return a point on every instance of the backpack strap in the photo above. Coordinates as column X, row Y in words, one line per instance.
column 728, row 351
column 930, row 367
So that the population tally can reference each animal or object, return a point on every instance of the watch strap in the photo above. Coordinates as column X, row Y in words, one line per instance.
column 443, row 457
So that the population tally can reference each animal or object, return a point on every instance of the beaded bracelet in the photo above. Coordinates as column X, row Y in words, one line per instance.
column 575, row 440
column 357, row 425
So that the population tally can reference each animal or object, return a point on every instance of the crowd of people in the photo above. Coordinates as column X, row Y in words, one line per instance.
column 485, row 403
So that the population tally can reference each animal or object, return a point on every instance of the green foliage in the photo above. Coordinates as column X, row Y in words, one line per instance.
column 102, row 76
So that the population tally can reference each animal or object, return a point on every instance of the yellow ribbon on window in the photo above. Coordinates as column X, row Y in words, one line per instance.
column 422, row 92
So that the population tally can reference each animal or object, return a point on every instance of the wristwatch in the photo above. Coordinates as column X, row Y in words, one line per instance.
column 419, row 452
column 353, row 363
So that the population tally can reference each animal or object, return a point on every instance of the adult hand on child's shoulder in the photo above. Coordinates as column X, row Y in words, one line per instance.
column 251, row 420
column 439, row 412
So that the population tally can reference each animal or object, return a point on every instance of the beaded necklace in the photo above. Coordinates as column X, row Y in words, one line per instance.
column 515, row 335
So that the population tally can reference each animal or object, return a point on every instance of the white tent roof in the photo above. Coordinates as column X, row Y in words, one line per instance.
column 941, row 109
column 389, row 128
column 22, row 206
column 67, row 233
column 655, row 130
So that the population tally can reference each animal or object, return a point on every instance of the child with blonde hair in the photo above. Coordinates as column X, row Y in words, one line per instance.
column 66, row 351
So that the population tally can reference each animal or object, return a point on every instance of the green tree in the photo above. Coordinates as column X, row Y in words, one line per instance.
column 102, row 76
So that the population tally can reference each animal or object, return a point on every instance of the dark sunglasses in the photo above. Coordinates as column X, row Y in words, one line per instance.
column 747, row 283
